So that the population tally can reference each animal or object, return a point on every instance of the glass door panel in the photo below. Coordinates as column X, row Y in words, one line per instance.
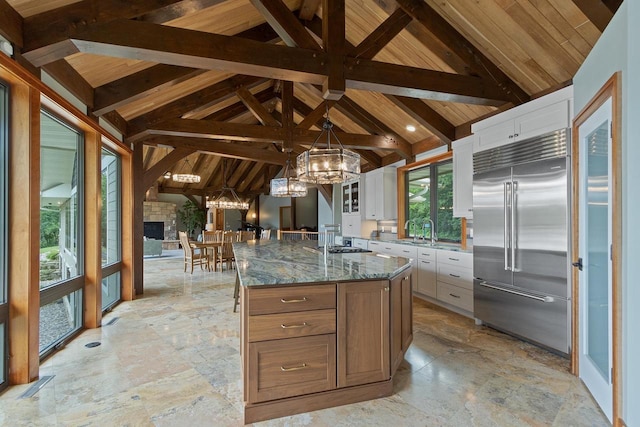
column 595, row 243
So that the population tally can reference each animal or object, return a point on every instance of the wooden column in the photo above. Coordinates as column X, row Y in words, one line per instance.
column 24, row 233
column 92, row 231
column 138, row 219
column 129, row 262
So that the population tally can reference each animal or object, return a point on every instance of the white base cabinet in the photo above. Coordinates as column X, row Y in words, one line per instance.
column 426, row 282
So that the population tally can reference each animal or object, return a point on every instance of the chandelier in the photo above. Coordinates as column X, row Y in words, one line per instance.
column 189, row 178
column 226, row 197
column 288, row 185
column 328, row 165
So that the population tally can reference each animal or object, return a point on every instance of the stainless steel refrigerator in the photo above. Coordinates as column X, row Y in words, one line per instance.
column 521, row 239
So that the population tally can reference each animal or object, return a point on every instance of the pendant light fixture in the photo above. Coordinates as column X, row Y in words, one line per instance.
column 226, row 197
column 288, row 185
column 188, row 178
column 328, row 165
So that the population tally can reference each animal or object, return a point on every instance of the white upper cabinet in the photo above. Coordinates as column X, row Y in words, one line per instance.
column 463, row 177
column 545, row 114
column 381, row 194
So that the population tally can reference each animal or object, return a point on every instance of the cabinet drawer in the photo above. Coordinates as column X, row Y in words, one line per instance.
column 426, row 253
column 460, row 259
column 359, row 243
column 291, row 367
column 291, row 325
column 291, row 298
column 455, row 295
column 455, row 275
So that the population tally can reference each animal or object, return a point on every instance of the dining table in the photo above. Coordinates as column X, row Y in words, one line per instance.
column 210, row 248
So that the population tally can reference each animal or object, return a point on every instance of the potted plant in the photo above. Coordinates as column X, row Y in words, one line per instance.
column 192, row 216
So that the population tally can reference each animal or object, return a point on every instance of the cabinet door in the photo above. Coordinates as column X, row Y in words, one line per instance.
column 363, row 332
column 426, row 273
column 351, row 224
column 547, row 119
column 401, row 318
column 494, row 136
column 355, row 197
column 372, row 189
column 346, row 198
column 463, row 178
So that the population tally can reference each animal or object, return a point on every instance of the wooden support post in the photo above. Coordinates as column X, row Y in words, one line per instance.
column 24, row 234
column 139, row 191
column 129, row 263
column 92, row 231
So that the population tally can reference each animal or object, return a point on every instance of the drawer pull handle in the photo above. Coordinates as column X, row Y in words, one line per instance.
column 293, row 368
column 454, row 275
column 454, row 259
column 406, row 277
column 300, row 325
column 426, row 262
column 288, row 301
column 454, row 295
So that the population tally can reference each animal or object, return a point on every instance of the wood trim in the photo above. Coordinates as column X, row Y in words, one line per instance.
column 138, row 219
column 24, row 230
column 128, row 217
column 611, row 89
column 313, row 402
column 402, row 183
column 92, row 231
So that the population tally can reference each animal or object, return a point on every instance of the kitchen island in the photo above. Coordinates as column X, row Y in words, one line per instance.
column 318, row 334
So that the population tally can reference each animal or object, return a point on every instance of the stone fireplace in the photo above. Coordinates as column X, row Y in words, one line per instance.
column 161, row 212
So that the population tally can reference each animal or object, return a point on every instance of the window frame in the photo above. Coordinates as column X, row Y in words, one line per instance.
column 5, row 99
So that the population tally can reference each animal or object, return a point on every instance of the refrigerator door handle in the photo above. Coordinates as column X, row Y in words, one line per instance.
column 522, row 294
column 514, row 236
column 505, row 233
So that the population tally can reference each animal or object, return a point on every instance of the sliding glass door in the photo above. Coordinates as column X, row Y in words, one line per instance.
column 4, row 306
column 61, row 237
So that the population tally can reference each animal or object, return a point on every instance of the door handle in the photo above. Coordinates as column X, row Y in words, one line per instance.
column 522, row 294
column 506, row 225
column 514, row 236
column 578, row 264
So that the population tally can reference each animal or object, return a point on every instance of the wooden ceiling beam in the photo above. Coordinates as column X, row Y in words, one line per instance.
column 184, row 191
column 235, row 110
column 416, row 82
column 256, row 108
column 224, row 149
column 333, row 39
column 426, row 116
column 596, row 11
column 118, row 93
column 427, row 144
column 284, row 22
column 381, row 36
column 48, row 28
column 11, row 24
column 312, row 116
column 70, row 79
column 255, row 174
column 239, row 173
column 421, row 12
column 287, row 115
column 170, row 45
column 308, row 9
column 207, row 96
column 189, row 128
column 152, row 174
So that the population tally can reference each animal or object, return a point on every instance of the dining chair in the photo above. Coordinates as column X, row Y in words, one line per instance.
column 265, row 234
column 225, row 252
column 193, row 255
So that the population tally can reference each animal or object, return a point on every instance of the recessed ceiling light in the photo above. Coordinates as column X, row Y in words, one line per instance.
column 411, row 128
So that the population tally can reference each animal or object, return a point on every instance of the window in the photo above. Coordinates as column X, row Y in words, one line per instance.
column 4, row 306
column 430, row 197
column 61, row 225
column 110, row 227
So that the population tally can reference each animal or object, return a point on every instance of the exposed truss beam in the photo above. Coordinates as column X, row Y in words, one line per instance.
column 333, row 39
column 308, row 9
column 235, row 110
column 283, row 21
column 378, row 39
column 223, row 149
column 170, row 45
column 177, row 10
column 432, row 22
column 426, row 116
column 152, row 174
column 256, row 108
column 242, row 132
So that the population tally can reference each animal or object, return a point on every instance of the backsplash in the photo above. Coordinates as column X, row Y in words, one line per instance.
column 388, row 230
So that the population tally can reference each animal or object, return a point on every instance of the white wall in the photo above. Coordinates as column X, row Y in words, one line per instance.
column 325, row 211
column 617, row 50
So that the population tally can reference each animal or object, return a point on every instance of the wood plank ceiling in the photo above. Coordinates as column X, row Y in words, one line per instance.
column 237, row 83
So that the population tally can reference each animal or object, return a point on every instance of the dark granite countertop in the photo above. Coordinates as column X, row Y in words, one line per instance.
column 275, row 262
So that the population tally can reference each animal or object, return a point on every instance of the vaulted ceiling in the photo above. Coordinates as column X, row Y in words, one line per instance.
column 235, row 84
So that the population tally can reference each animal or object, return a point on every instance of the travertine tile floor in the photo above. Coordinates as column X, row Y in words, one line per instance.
column 172, row 359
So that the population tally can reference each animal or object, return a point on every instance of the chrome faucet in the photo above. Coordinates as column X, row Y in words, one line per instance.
column 433, row 232
column 406, row 227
